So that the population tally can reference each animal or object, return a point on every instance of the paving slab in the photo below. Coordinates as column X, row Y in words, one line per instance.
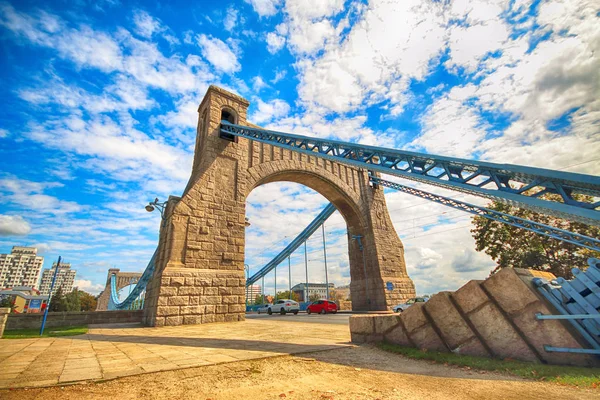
column 114, row 351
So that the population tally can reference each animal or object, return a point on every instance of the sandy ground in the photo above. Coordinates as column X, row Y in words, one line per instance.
column 350, row 373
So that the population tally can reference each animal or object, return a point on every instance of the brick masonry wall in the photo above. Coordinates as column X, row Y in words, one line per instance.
column 491, row 318
column 57, row 319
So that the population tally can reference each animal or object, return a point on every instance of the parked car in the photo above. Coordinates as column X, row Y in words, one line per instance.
column 263, row 308
column 284, row 306
column 322, row 307
column 401, row 307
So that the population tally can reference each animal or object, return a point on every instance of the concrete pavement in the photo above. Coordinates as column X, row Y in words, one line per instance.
column 106, row 353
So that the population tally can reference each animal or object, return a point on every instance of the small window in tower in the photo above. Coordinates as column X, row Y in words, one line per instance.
column 229, row 116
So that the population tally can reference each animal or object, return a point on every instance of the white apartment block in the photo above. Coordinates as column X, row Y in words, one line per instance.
column 22, row 267
column 252, row 291
column 64, row 279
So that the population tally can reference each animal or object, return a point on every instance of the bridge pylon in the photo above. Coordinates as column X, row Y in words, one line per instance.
column 124, row 279
column 199, row 275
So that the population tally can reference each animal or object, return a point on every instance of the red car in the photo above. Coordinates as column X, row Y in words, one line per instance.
column 322, row 307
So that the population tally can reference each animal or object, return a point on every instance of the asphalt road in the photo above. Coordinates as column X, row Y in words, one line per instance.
column 338, row 319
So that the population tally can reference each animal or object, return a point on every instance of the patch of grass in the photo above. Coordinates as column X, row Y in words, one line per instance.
column 48, row 332
column 564, row 375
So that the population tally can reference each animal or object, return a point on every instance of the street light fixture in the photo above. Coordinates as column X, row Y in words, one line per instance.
column 156, row 204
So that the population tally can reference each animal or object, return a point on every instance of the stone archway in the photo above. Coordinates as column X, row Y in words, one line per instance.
column 199, row 276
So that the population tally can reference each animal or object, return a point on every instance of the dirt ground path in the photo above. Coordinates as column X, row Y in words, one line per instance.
column 351, row 373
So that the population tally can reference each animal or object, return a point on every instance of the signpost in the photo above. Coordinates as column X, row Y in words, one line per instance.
column 35, row 304
column 49, row 297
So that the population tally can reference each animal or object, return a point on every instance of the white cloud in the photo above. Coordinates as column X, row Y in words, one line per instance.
column 313, row 9
column 13, row 225
column 451, row 127
column 268, row 111
column 218, row 54
column 391, row 43
column 114, row 149
column 274, row 42
column 258, row 84
column 279, row 75
column 87, row 286
column 124, row 94
column 4, row 133
column 145, row 24
column 231, row 19
column 265, row 8
column 468, row 45
column 30, row 195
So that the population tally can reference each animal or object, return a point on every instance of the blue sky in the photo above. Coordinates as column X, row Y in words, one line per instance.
column 100, row 100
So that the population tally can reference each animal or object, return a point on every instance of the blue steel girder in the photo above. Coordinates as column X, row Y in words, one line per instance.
column 542, row 229
column 294, row 244
column 516, row 185
column 113, row 302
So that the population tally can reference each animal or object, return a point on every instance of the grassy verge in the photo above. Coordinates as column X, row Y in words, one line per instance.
column 572, row 376
column 48, row 332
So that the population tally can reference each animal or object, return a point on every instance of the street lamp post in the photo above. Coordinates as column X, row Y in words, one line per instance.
column 306, row 268
column 50, row 297
column 290, row 277
column 247, row 276
column 325, row 258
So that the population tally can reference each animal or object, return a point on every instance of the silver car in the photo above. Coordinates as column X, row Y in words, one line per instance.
column 401, row 307
column 263, row 308
column 284, row 306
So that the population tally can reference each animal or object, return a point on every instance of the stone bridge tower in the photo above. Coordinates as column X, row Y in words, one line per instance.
column 199, row 276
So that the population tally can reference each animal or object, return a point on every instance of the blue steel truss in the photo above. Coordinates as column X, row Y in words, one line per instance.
column 512, row 184
column 294, row 244
column 140, row 287
column 577, row 301
column 542, row 229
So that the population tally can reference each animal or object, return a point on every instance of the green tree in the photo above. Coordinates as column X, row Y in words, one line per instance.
column 88, row 302
column 58, row 302
column 513, row 247
column 7, row 302
column 72, row 301
column 286, row 295
column 258, row 300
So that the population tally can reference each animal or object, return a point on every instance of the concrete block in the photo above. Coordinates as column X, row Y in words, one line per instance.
column 362, row 324
column 358, row 337
column 173, row 321
column 384, row 323
column 192, row 319
column 472, row 347
column 511, row 293
column 448, row 320
column 413, row 318
column 179, row 301
column 190, row 290
column 499, row 335
column 426, row 338
column 177, row 281
column 398, row 336
column 470, row 296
